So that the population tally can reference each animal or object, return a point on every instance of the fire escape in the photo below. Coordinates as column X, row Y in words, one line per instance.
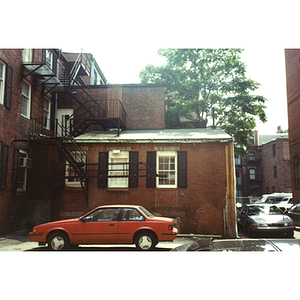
column 108, row 113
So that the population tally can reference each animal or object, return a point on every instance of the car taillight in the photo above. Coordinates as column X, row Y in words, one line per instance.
column 170, row 227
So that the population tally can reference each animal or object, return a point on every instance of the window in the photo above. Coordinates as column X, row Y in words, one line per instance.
column 274, row 149
column 167, row 166
column 26, row 100
column 103, row 215
column 130, row 214
column 251, row 155
column 22, row 171
column 237, row 159
column 252, row 174
column 49, row 58
column 72, row 179
column 46, row 113
column 118, row 166
column 238, row 177
column 2, row 82
column 275, row 171
column 297, row 171
column 27, row 55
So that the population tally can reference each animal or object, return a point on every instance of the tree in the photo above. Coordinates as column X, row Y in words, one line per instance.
column 208, row 85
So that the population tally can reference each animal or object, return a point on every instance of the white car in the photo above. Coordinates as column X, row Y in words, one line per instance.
column 285, row 204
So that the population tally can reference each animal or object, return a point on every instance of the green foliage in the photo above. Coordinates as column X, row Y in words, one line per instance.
column 202, row 80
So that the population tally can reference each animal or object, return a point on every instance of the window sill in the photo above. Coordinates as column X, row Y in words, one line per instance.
column 117, row 189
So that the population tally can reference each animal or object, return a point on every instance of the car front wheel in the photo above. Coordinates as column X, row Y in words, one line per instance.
column 145, row 241
column 58, row 241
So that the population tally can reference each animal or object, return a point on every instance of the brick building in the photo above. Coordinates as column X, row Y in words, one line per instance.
column 79, row 142
column 292, row 66
column 266, row 169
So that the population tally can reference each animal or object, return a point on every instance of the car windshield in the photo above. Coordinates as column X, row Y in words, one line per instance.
column 264, row 210
column 146, row 212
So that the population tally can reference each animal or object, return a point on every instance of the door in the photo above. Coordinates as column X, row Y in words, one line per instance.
column 294, row 213
column 130, row 221
column 99, row 227
column 63, row 119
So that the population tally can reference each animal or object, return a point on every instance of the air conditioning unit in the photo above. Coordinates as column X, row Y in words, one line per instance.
column 25, row 162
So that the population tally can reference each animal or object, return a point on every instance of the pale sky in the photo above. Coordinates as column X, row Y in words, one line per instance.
column 263, row 66
column 124, row 36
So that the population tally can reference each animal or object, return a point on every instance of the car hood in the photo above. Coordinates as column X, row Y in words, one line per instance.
column 271, row 219
column 58, row 223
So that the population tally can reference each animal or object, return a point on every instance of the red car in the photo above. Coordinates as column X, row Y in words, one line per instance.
column 109, row 224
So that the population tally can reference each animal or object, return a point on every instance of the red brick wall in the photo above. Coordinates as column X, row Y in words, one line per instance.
column 144, row 105
column 15, row 127
column 197, row 208
column 282, row 183
column 293, row 100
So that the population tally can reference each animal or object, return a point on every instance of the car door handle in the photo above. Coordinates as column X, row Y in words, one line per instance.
column 111, row 224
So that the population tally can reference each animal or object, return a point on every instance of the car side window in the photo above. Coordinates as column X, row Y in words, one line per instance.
column 130, row 214
column 103, row 215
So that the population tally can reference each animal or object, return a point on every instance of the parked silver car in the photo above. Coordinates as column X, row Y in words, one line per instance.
column 294, row 213
column 265, row 219
column 272, row 245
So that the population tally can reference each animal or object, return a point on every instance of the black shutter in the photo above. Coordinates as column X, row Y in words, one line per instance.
column 133, row 169
column 151, row 169
column 4, row 167
column 15, row 168
column 8, row 86
column 182, row 169
column 103, row 169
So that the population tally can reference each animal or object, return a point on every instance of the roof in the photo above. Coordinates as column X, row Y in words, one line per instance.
column 264, row 139
column 156, row 136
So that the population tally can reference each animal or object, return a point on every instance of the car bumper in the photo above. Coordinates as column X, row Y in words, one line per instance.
column 37, row 237
column 286, row 230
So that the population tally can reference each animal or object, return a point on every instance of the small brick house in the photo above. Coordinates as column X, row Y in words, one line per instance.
column 83, row 143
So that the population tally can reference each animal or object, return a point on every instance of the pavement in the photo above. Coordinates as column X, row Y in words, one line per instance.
column 19, row 241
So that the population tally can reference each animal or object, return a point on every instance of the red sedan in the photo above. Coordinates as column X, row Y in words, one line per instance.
column 109, row 224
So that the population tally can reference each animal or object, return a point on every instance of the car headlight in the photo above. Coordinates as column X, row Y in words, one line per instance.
column 259, row 225
column 288, row 224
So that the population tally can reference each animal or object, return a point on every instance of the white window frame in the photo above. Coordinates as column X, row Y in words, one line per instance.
column 28, row 100
column 2, row 81
column 118, row 156
column 27, row 55
column 22, row 167
column 164, row 154
column 69, row 171
column 46, row 113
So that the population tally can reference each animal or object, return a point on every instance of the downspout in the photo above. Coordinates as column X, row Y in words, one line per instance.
column 230, row 209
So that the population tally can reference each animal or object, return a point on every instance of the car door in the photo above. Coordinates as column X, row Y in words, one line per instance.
column 99, row 227
column 130, row 221
column 294, row 213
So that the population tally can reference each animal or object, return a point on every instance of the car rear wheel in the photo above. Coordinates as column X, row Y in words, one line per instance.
column 58, row 241
column 145, row 241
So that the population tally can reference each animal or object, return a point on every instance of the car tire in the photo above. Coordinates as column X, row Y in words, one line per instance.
column 58, row 241
column 145, row 241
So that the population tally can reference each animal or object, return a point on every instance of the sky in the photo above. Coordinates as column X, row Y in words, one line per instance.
column 263, row 66
column 124, row 36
